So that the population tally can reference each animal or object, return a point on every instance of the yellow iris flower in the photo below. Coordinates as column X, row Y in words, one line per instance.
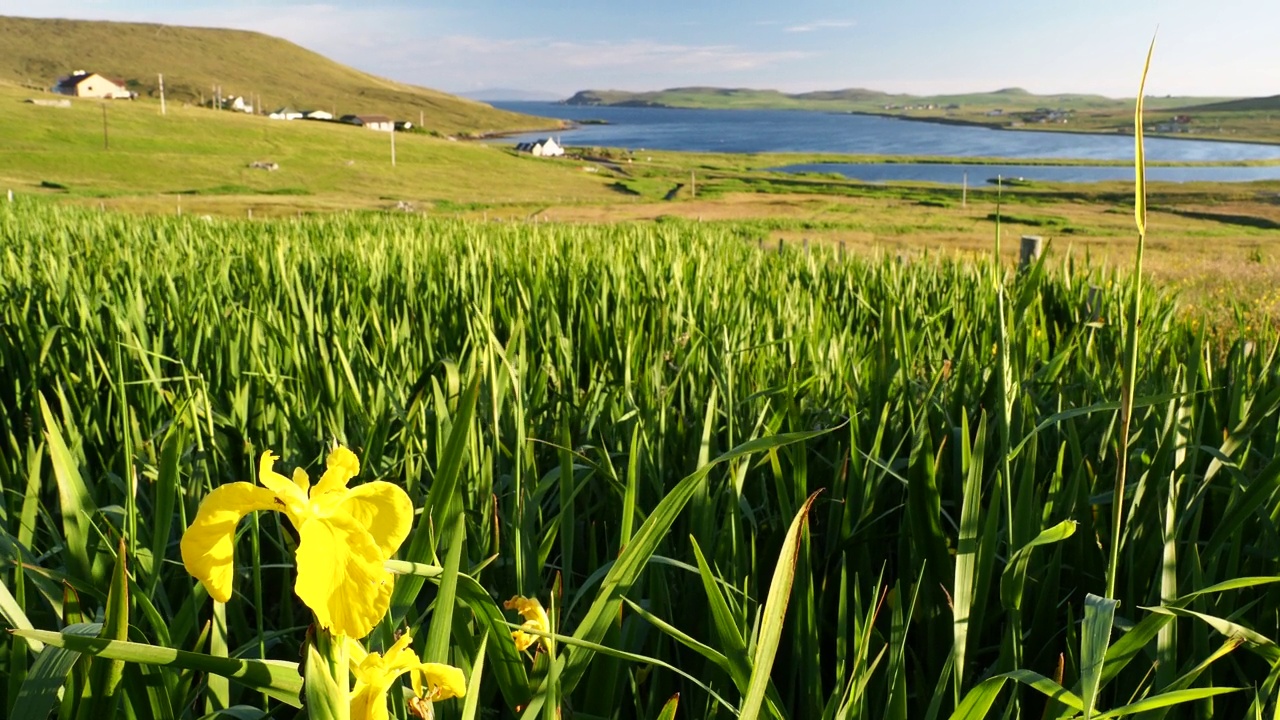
column 535, row 618
column 345, row 535
column 376, row 674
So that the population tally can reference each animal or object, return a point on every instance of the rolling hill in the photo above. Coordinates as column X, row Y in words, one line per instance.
column 36, row 52
column 1271, row 102
column 859, row 100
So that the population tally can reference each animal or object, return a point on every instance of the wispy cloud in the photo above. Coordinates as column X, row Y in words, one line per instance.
column 820, row 25
column 463, row 56
column 415, row 44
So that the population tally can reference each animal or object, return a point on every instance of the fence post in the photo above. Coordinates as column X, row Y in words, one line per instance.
column 1032, row 247
column 780, row 242
column 11, row 195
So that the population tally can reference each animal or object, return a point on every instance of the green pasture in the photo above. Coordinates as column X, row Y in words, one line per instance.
column 267, row 71
column 777, row 484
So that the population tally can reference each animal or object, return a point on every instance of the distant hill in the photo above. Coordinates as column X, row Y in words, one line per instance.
column 36, row 52
column 858, row 100
column 1244, row 105
column 511, row 95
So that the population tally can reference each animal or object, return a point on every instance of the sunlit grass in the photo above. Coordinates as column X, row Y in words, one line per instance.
column 610, row 362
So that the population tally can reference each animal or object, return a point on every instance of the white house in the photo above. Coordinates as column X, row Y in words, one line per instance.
column 92, row 85
column 238, row 104
column 371, row 122
column 285, row 113
column 542, row 148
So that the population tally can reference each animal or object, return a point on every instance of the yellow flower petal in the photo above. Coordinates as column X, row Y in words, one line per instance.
column 274, row 481
column 208, row 545
column 535, row 619
column 400, row 656
column 376, row 674
column 442, row 681
column 355, row 652
column 383, row 509
column 340, row 575
column 340, row 467
column 368, row 703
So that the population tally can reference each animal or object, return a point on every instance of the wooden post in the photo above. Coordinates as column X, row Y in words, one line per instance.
column 422, row 118
column 780, row 242
column 162, row 107
column 10, row 196
column 250, row 211
column 1032, row 247
column 693, row 183
column 393, row 147
column 179, row 206
column 106, row 142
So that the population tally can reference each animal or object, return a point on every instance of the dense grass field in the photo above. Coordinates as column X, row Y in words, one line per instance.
column 661, row 432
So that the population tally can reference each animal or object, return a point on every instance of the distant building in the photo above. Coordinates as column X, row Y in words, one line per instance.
column 542, row 148
column 92, row 85
column 381, row 123
column 316, row 115
column 238, row 104
column 403, row 125
column 285, row 113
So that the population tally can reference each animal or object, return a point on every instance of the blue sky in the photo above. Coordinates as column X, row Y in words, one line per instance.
column 920, row 46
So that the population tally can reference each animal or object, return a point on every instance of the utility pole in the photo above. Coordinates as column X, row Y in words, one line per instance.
column 964, row 192
column 422, row 119
column 106, row 142
column 162, row 108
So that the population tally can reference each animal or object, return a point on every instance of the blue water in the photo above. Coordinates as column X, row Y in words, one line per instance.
column 982, row 174
column 748, row 131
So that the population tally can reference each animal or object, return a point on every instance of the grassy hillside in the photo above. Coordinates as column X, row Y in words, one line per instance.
column 1271, row 102
column 36, row 52
column 861, row 100
column 205, row 156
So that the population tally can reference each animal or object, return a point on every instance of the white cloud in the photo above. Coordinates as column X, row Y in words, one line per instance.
column 820, row 25
column 560, row 64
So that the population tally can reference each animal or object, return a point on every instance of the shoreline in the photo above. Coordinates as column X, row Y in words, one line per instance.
column 835, row 158
column 1058, row 129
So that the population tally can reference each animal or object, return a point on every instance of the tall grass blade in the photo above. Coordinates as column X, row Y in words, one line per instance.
column 1095, row 637
column 43, row 687
column 774, row 614
column 276, row 678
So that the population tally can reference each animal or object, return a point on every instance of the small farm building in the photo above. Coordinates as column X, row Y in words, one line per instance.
column 371, row 122
column 92, row 85
column 542, row 148
column 285, row 113
column 239, row 104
